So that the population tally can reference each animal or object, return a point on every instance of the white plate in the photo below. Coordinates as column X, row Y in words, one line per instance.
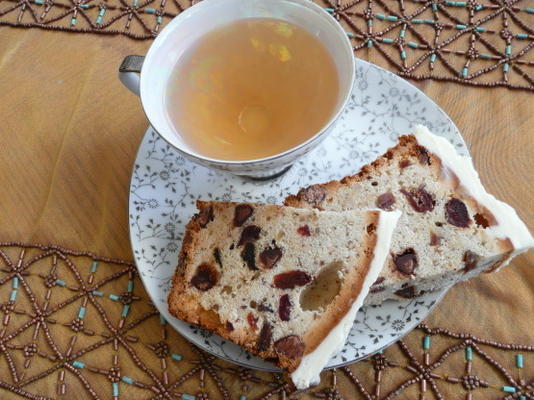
column 165, row 186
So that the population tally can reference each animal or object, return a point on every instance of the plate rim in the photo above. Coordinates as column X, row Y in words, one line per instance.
column 165, row 313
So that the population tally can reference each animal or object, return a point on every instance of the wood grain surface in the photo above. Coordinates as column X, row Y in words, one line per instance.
column 70, row 132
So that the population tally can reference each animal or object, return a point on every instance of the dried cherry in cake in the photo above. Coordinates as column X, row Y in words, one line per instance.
column 264, row 340
column 205, row 216
column 313, row 195
column 456, row 213
column 291, row 346
column 304, row 230
column 284, row 307
column 205, row 277
column 420, row 200
column 470, row 260
column 252, row 321
column 386, row 201
column 249, row 256
column 270, row 256
column 291, row 279
column 242, row 212
column 250, row 234
column 406, row 262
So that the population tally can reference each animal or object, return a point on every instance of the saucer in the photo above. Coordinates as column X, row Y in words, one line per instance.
column 165, row 186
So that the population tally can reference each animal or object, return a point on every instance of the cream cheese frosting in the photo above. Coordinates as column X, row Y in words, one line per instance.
column 508, row 225
column 309, row 370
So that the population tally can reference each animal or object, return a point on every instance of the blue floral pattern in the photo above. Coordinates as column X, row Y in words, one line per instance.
column 165, row 186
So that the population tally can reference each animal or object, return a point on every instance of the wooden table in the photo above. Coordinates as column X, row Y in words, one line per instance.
column 70, row 134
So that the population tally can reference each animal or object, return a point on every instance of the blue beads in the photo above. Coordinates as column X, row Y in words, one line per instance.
column 329, row 10
column 40, row 2
column 392, row 18
column 73, row 22
column 15, row 283
column 521, row 36
column 84, row 6
column 433, row 57
column 114, row 297
column 125, row 310
column 128, row 380
column 460, row 26
column 186, row 396
column 176, row 357
column 13, row 295
column 150, row 10
column 159, row 20
column 349, row 34
column 380, row 16
column 519, row 360
column 464, row 72
column 387, row 40
column 456, row 3
column 162, row 320
column 242, row 397
column 508, row 50
column 468, row 353
column 97, row 293
column 78, row 364
column 508, row 389
column 94, row 264
column 81, row 313
column 505, row 67
column 115, row 389
column 369, row 43
column 480, row 29
column 426, row 342
column 402, row 33
column 130, row 286
column 403, row 55
column 529, row 10
column 413, row 45
column 60, row 283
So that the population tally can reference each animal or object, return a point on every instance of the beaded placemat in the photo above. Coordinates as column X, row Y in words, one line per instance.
column 483, row 43
column 75, row 325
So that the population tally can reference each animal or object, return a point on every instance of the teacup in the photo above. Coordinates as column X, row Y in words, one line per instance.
column 148, row 76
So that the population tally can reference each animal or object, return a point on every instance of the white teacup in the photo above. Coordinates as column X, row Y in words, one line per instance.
column 150, row 81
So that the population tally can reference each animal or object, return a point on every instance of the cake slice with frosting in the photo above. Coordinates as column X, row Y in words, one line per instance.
column 451, row 229
column 283, row 282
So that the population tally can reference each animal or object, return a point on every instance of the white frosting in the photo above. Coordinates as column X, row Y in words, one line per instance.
column 311, row 365
column 508, row 223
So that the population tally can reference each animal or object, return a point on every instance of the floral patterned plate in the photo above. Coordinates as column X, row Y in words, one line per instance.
column 165, row 186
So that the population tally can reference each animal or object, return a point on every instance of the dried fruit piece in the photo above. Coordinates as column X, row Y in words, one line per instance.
column 424, row 158
column 205, row 216
column 242, row 213
column 229, row 326
column 314, row 195
column 470, row 260
column 270, row 256
column 217, row 256
column 371, row 228
column 284, row 307
column 252, row 321
column 406, row 262
column 304, row 230
column 435, row 240
column 420, row 200
column 377, row 289
column 266, row 334
column 481, row 220
column 250, row 234
column 456, row 213
column 405, row 163
column 264, row 307
column 291, row 346
column 385, row 201
column 291, row 279
column 205, row 277
column 408, row 292
column 378, row 281
column 249, row 256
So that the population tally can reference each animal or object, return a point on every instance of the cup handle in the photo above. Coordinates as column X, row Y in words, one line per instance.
column 129, row 72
